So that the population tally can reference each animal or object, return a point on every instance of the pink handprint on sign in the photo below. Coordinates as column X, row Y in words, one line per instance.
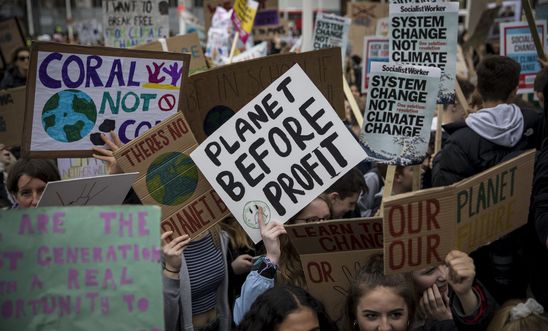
column 153, row 76
column 174, row 73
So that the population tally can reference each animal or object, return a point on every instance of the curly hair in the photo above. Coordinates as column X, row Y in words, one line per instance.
column 368, row 279
column 273, row 306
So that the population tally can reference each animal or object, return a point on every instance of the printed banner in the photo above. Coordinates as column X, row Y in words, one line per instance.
column 332, row 253
column 81, row 268
column 375, row 49
column 421, row 227
column 401, row 101
column 212, row 97
column 517, row 43
column 426, row 35
column 169, row 178
column 77, row 93
column 187, row 43
column 279, row 152
column 129, row 23
column 81, row 168
column 331, row 31
column 243, row 16
column 12, row 114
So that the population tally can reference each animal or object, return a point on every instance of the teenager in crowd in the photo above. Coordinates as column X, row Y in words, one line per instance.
column 287, row 308
column 378, row 302
column 343, row 194
column 449, row 296
column 281, row 265
column 27, row 180
column 16, row 75
column 517, row 315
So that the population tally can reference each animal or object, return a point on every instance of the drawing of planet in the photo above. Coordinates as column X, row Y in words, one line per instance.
column 69, row 115
column 172, row 178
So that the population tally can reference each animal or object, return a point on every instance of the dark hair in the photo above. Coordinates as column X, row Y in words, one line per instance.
column 369, row 278
column 43, row 169
column 350, row 183
column 272, row 307
column 540, row 80
column 498, row 76
column 16, row 52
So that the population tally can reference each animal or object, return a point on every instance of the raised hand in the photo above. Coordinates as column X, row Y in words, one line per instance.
column 461, row 278
column 153, row 75
column 271, row 237
column 107, row 155
column 173, row 250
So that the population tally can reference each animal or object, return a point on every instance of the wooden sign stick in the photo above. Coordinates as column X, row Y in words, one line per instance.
column 437, row 143
column 461, row 99
column 532, row 26
column 416, row 177
column 233, row 48
column 388, row 184
column 352, row 101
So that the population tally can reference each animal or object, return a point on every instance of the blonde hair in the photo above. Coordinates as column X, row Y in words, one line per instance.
column 290, row 269
column 237, row 235
column 502, row 320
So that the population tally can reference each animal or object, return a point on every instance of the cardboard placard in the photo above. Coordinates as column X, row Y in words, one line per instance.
column 364, row 17
column 243, row 16
column 169, row 178
column 81, row 168
column 483, row 27
column 401, row 101
column 269, row 33
column 129, row 23
column 279, row 152
column 426, row 35
column 421, row 227
column 85, row 268
column 11, row 38
column 210, row 98
column 76, row 92
column 517, row 43
column 187, row 43
column 12, row 114
column 331, row 31
column 332, row 253
column 375, row 49
column 510, row 11
column 91, row 191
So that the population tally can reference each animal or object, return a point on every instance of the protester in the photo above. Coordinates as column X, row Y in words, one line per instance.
column 344, row 193
column 27, row 180
column 379, row 302
column 449, row 296
column 16, row 75
column 281, row 265
column 287, row 308
column 517, row 315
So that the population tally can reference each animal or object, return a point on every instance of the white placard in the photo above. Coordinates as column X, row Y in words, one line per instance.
column 279, row 152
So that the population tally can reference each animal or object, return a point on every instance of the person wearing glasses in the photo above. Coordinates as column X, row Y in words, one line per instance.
column 281, row 265
column 16, row 75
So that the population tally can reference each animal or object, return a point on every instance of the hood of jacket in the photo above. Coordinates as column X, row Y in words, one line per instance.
column 502, row 125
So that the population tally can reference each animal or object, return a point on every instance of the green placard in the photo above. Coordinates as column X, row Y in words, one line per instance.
column 81, row 268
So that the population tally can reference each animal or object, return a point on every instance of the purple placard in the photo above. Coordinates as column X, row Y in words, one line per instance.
column 267, row 17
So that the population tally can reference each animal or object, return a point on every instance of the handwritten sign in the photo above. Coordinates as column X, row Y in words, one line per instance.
column 129, row 23
column 255, row 52
column 375, row 49
column 81, row 167
column 364, row 15
column 243, row 16
column 103, row 190
column 210, row 98
column 401, row 101
column 90, row 268
column 11, row 37
column 281, row 151
column 426, row 35
column 12, row 113
column 169, row 178
column 421, row 227
column 331, row 31
column 332, row 253
column 517, row 43
column 77, row 93
column 269, row 33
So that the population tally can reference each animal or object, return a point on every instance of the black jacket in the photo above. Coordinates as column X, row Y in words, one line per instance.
column 466, row 153
column 12, row 79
